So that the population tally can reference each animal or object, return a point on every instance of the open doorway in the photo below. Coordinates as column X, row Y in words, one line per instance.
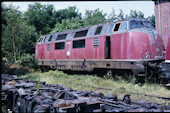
column 108, row 47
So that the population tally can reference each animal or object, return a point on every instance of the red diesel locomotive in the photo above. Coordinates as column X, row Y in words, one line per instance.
column 131, row 44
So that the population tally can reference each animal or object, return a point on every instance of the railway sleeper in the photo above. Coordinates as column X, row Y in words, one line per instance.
column 23, row 98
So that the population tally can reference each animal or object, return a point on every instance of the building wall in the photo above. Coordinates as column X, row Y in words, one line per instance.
column 162, row 22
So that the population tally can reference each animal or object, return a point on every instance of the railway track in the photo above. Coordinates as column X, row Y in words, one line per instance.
column 104, row 88
column 26, row 96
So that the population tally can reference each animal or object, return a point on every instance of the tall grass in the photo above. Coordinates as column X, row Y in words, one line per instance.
column 119, row 86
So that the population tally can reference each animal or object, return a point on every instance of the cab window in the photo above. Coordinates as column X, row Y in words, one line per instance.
column 123, row 26
column 117, row 27
column 136, row 24
column 148, row 24
column 43, row 39
column 40, row 39
column 110, row 28
column 50, row 38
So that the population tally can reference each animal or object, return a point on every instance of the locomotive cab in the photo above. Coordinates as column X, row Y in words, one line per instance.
column 148, row 42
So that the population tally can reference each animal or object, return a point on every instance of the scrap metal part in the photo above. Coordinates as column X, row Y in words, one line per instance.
column 22, row 96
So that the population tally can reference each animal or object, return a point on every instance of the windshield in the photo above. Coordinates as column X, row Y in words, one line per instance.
column 136, row 24
column 140, row 24
column 148, row 24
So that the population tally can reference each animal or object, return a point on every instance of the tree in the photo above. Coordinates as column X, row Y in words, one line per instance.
column 152, row 19
column 68, row 24
column 67, row 13
column 112, row 16
column 74, row 20
column 94, row 17
column 41, row 16
column 120, row 15
column 135, row 14
column 17, row 36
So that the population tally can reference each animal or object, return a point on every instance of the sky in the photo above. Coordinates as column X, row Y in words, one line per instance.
column 147, row 7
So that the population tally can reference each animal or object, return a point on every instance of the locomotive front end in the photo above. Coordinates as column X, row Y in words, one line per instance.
column 147, row 46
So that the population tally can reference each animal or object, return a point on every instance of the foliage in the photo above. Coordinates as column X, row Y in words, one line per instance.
column 41, row 16
column 67, row 13
column 44, row 17
column 17, row 36
column 135, row 14
column 120, row 15
column 91, row 18
column 28, row 60
column 94, row 17
column 152, row 19
column 67, row 24
column 112, row 16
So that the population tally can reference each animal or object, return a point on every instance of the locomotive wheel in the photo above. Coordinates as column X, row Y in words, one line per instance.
column 22, row 106
column 100, row 72
column 17, row 105
column 34, row 108
column 44, row 69
column 9, row 102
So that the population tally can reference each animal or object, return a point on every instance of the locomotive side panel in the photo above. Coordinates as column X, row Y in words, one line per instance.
column 130, row 45
column 121, row 46
column 141, row 45
column 52, row 51
column 39, row 51
column 95, row 48
column 47, row 51
column 60, row 50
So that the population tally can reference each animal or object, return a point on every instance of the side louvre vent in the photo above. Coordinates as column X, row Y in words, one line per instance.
column 96, row 41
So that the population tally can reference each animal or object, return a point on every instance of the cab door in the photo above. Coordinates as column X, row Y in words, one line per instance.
column 42, row 51
column 42, row 47
column 108, row 48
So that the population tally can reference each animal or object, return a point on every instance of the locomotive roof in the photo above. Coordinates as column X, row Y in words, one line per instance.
column 91, row 30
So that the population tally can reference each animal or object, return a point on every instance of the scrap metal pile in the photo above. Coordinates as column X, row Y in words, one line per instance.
column 28, row 96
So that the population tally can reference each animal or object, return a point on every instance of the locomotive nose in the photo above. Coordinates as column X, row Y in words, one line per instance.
column 152, row 33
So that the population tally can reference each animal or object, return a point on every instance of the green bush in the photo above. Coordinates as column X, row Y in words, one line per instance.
column 28, row 60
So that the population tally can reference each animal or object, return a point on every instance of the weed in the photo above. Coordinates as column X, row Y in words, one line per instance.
column 132, row 80
column 38, row 86
column 118, row 85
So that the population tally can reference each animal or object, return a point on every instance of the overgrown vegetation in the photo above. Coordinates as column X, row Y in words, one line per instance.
column 119, row 87
column 15, row 69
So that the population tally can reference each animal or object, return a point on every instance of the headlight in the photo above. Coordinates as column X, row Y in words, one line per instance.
column 147, row 55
